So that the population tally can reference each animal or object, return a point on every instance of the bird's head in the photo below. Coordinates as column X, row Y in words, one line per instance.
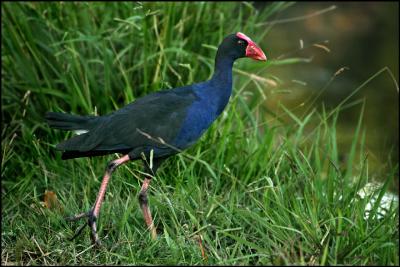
column 238, row 45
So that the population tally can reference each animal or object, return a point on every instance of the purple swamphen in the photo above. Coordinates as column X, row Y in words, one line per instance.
column 155, row 126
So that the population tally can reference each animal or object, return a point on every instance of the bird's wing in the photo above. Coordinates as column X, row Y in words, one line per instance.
column 158, row 115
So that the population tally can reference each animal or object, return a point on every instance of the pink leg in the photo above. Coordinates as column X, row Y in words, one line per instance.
column 145, row 207
column 110, row 168
column 93, row 214
column 143, row 194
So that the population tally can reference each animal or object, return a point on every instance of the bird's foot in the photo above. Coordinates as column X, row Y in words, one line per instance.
column 91, row 223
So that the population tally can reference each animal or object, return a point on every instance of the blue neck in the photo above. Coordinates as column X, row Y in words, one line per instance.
column 221, row 82
column 214, row 95
column 223, row 70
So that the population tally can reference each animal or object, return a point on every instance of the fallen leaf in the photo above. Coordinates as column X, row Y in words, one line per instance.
column 51, row 201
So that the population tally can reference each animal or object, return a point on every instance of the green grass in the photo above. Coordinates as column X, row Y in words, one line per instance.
column 256, row 192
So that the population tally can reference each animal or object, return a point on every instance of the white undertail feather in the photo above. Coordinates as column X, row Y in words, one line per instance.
column 79, row 132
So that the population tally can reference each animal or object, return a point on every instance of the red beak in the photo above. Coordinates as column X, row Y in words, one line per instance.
column 252, row 50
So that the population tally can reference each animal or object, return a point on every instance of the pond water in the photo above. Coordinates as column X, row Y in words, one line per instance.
column 358, row 38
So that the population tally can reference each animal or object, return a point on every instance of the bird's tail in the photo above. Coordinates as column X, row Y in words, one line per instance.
column 69, row 122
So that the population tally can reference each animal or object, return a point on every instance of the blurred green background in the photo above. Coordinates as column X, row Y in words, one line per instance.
column 363, row 38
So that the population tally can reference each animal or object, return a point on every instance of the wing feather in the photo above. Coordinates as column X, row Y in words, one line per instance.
column 159, row 115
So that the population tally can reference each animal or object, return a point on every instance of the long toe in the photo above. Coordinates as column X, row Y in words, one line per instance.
column 77, row 217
